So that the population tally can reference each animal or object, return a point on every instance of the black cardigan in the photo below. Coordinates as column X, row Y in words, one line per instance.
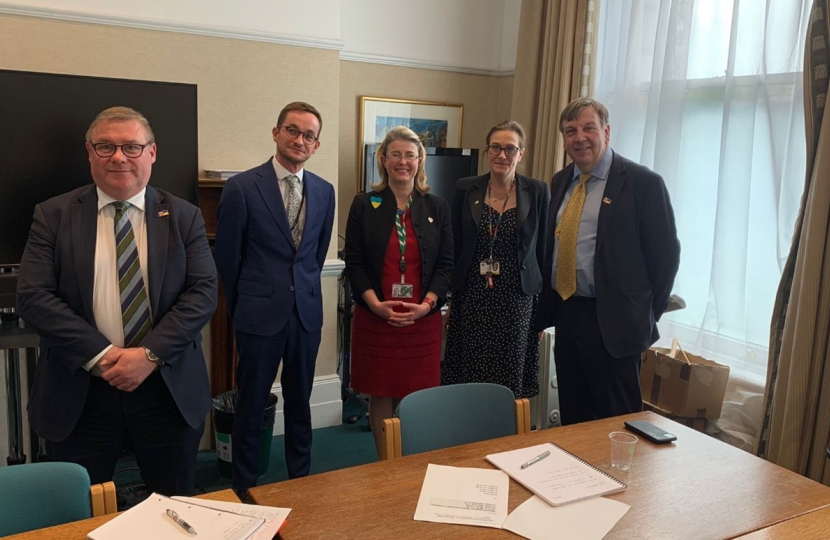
column 367, row 237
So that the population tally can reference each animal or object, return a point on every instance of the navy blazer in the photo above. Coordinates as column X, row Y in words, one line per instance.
column 636, row 259
column 532, row 202
column 263, row 274
column 54, row 296
column 367, row 237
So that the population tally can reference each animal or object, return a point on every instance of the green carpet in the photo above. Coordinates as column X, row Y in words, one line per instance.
column 332, row 448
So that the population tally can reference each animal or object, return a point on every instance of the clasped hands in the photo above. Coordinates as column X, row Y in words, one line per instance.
column 386, row 311
column 124, row 369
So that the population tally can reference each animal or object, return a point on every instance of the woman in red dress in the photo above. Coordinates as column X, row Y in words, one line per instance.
column 399, row 257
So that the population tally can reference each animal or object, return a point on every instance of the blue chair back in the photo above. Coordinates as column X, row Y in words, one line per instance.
column 456, row 414
column 37, row 495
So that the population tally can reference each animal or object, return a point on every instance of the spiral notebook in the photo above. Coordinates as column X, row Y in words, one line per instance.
column 560, row 478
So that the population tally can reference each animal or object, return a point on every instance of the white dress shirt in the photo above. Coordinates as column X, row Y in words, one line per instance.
column 106, row 296
column 282, row 175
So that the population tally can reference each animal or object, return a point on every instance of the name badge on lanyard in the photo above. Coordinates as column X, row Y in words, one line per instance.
column 402, row 290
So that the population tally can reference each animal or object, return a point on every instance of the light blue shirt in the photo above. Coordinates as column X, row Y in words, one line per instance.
column 586, row 240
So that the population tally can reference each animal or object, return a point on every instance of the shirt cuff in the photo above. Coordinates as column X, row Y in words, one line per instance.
column 91, row 364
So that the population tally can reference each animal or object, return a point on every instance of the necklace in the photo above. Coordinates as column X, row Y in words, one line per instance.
column 506, row 194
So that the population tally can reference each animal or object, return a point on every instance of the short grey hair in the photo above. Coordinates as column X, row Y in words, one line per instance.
column 120, row 114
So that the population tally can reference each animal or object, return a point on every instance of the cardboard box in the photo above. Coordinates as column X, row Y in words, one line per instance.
column 698, row 424
column 683, row 384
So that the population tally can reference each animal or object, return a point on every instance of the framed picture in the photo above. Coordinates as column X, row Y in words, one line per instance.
column 437, row 124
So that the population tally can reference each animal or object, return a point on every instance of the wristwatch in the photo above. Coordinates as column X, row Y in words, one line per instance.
column 431, row 303
column 151, row 356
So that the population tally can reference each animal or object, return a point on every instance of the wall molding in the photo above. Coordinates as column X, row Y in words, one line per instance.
column 237, row 33
column 421, row 64
column 169, row 26
column 326, row 403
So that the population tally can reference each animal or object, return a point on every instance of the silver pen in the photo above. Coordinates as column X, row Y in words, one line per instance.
column 180, row 522
column 537, row 459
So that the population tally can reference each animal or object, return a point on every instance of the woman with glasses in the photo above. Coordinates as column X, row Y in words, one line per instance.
column 399, row 259
column 499, row 224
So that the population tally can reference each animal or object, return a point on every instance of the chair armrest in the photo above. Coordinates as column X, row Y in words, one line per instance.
column 391, row 439
column 102, row 499
column 522, row 416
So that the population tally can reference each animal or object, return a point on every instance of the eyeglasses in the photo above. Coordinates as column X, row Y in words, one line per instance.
column 397, row 156
column 495, row 150
column 131, row 150
column 308, row 138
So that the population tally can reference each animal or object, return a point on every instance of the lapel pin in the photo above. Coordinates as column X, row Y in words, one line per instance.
column 475, row 202
column 375, row 201
column 430, row 219
column 606, row 200
column 163, row 213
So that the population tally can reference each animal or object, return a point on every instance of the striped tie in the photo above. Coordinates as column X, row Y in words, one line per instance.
column 135, row 309
column 567, row 233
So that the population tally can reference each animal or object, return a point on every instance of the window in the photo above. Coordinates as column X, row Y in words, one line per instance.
column 708, row 93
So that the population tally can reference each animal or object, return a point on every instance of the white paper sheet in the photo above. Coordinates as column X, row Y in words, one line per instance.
column 464, row 496
column 148, row 519
column 274, row 517
column 591, row 519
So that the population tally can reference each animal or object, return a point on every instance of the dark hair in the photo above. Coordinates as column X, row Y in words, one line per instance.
column 508, row 125
column 303, row 107
column 573, row 109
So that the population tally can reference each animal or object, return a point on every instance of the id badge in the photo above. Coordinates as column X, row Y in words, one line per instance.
column 402, row 290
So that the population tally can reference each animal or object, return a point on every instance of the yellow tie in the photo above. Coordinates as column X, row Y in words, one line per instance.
column 566, row 234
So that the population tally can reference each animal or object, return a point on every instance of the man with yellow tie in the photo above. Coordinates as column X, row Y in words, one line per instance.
column 610, row 271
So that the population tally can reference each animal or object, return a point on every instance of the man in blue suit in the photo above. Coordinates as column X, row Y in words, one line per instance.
column 609, row 274
column 274, row 228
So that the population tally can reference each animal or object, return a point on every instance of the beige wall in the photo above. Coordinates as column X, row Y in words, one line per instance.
column 241, row 87
column 486, row 101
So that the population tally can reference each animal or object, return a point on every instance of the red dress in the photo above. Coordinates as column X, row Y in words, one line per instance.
column 388, row 361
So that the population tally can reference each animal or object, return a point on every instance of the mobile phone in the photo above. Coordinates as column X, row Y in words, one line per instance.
column 650, row 431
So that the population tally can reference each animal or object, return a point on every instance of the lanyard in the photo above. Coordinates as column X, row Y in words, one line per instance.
column 401, row 227
column 494, row 232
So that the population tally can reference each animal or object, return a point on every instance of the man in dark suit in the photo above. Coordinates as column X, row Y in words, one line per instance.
column 118, row 281
column 274, row 229
column 610, row 271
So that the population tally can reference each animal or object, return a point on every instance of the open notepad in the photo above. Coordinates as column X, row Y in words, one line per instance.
column 560, row 478
column 212, row 520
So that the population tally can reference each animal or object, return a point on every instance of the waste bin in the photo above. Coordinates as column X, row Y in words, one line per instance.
column 224, row 406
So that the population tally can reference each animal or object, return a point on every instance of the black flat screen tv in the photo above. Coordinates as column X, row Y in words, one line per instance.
column 444, row 167
column 43, row 120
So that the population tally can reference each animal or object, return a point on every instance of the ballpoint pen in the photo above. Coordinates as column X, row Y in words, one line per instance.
column 180, row 522
column 537, row 459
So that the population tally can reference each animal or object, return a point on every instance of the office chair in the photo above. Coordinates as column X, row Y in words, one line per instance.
column 451, row 415
column 37, row 495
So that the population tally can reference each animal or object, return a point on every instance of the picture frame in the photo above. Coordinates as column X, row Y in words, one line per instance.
column 438, row 124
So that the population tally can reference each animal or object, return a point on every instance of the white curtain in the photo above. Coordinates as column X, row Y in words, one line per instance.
column 708, row 93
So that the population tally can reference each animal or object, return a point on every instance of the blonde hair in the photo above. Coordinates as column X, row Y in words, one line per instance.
column 121, row 114
column 402, row 133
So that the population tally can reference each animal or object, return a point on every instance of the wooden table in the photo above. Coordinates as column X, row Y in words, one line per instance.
column 812, row 526
column 77, row 530
column 697, row 487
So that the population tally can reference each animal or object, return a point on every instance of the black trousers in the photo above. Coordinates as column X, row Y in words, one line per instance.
column 146, row 421
column 592, row 383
